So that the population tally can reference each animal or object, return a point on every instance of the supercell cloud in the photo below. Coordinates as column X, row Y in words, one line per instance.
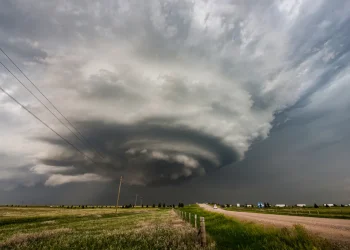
column 165, row 90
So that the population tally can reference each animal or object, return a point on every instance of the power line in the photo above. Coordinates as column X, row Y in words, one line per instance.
column 36, row 117
column 47, row 108
column 85, row 139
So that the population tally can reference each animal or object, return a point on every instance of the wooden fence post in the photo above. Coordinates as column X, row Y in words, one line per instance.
column 189, row 218
column 195, row 221
column 203, row 234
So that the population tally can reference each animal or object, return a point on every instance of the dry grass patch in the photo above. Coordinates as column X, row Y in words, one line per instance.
column 22, row 239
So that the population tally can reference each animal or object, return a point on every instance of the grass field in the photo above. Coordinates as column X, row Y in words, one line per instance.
column 323, row 212
column 61, row 228
column 229, row 233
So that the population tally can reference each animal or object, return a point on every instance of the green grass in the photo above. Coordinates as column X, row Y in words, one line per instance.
column 60, row 228
column 323, row 212
column 229, row 233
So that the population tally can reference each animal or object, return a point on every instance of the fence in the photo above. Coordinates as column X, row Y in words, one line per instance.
column 201, row 227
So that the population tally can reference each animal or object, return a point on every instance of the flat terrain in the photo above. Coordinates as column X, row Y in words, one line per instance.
column 334, row 229
column 62, row 228
column 321, row 212
column 231, row 233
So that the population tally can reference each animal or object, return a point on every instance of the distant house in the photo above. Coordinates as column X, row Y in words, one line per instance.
column 280, row 205
column 238, row 205
column 249, row 205
column 301, row 205
column 329, row 205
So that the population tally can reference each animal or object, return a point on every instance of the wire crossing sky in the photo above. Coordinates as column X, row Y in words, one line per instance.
column 85, row 141
column 201, row 99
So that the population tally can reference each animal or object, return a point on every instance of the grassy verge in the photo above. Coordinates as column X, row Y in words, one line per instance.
column 334, row 213
column 95, row 229
column 229, row 233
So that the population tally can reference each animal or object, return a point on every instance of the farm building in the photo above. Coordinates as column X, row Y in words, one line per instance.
column 280, row 205
column 249, row 205
column 301, row 205
column 329, row 205
column 238, row 205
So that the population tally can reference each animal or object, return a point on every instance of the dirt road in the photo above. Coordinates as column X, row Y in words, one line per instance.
column 334, row 229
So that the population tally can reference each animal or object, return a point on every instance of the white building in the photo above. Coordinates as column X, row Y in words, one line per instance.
column 249, row 205
column 301, row 205
column 330, row 205
column 280, row 205
column 238, row 205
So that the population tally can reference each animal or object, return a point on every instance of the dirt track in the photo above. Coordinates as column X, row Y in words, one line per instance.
column 333, row 229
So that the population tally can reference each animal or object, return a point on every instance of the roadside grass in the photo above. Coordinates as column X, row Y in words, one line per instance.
column 334, row 212
column 229, row 233
column 95, row 229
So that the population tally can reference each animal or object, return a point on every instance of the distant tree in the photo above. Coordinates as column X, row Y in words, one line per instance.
column 164, row 205
column 159, row 205
column 335, row 205
column 142, row 205
column 315, row 205
column 173, row 205
column 154, row 205
column 146, row 206
column 181, row 205
column 342, row 205
column 268, row 204
column 327, row 205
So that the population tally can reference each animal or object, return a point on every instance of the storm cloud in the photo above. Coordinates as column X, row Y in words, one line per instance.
column 170, row 92
column 149, row 152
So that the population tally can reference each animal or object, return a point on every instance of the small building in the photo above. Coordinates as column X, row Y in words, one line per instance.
column 280, row 205
column 249, row 205
column 328, row 205
column 301, row 205
column 238, row 205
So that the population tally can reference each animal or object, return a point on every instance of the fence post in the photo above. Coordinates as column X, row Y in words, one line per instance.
column 203, row 234
column 189, row 218
column 195, row 221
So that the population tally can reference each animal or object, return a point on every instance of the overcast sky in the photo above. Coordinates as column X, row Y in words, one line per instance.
column 227, row 101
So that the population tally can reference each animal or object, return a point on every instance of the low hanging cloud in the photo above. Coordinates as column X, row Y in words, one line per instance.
column 149, row 152
column 165, row 90
column 59, row 179
column 46, row 169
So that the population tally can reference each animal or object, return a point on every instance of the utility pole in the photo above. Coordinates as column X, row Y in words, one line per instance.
column 120, row 184
column 135, row 201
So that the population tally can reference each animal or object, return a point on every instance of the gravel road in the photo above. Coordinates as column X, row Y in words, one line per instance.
column 333, row 229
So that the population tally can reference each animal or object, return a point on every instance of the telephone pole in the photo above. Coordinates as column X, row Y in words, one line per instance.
column 120, row 184
column 135, row 201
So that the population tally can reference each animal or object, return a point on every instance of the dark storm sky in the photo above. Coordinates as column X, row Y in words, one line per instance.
column 228, row 101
